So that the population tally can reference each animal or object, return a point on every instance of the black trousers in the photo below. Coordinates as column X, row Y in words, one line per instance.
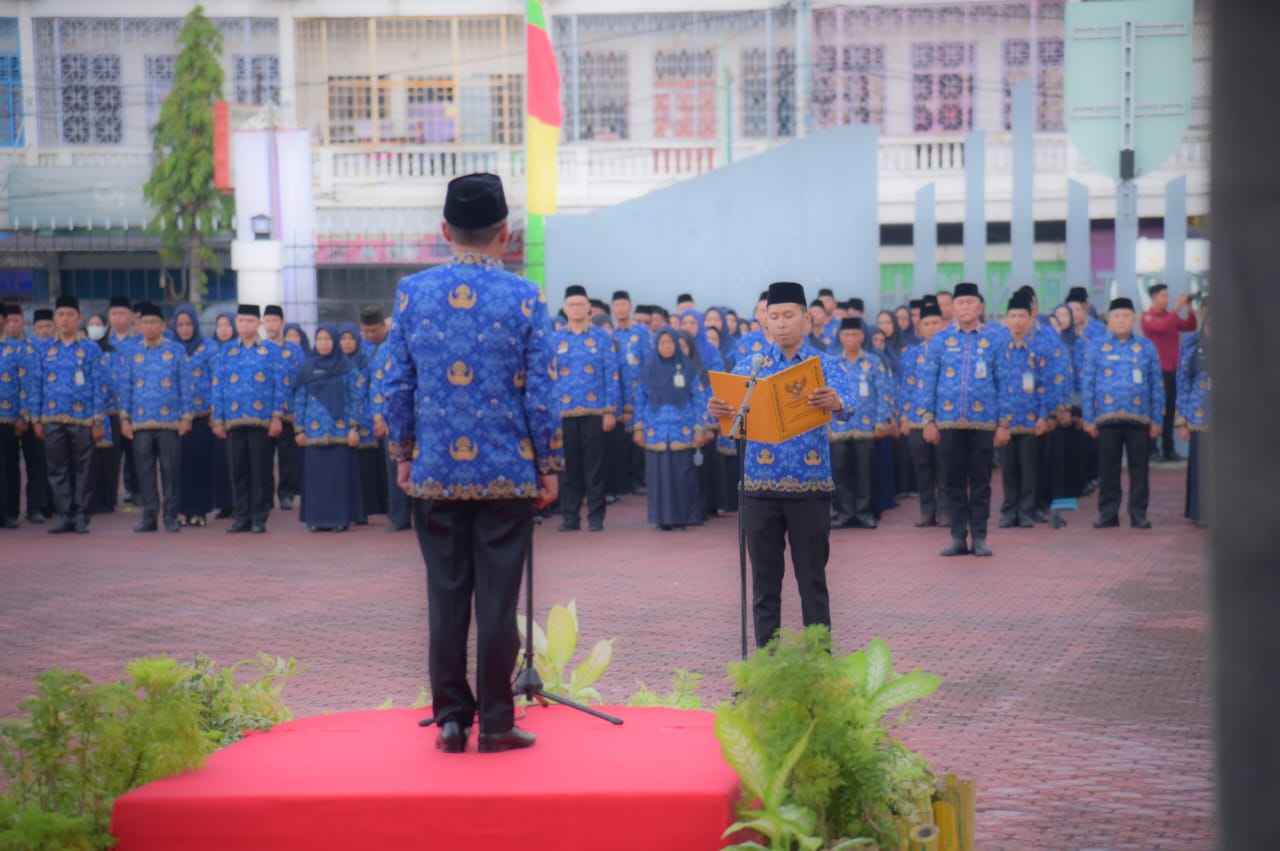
column 926, row 460
column 583, row 475
column 473, row 547
column 617, row 463
column 1115, row 441
column 966, row 460
column 158, row 450
column 286, row 452
column 69, row 451
column 852, row 464
column 1170, row 398
column 249, row 457
column 1196, row 505
column 10, row 473
column 121, row 451
column 1019, row 461
column 397, row 500
column 770, row 523
column 39, row 494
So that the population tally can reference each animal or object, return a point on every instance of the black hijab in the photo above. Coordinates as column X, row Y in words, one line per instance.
column 324, row 376
column 660, row 374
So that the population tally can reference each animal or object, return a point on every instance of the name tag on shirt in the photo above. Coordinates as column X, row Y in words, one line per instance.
column 79, row 378
column 863, row 389
column 1028, row 382
column 1137, row 376
column 980, row 371
column 679, row 380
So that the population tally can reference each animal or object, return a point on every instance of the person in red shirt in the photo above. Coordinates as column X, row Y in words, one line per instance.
column 1162, row 326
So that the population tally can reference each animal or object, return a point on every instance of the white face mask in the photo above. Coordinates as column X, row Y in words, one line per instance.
column 97, row 332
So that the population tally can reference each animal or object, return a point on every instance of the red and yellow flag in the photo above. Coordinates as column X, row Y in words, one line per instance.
column 542, row 136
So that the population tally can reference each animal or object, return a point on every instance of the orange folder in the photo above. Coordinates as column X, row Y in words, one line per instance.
column 779, row 408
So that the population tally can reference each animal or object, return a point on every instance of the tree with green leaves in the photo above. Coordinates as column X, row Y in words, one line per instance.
column 188, row 207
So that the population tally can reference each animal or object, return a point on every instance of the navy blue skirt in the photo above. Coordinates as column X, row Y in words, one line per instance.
column 674, row 496
column 331, row 494
column 200, row 453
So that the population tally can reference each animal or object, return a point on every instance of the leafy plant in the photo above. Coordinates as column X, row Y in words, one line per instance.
column 422, row 700
column 553, row 650
column 81, row 745
column 682, row 695
column 855, row 780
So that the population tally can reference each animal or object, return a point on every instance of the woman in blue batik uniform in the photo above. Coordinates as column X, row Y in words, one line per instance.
column 200, row 448
column 328, row 408
column 224, row 331
column 670, row 424
column 373, row 471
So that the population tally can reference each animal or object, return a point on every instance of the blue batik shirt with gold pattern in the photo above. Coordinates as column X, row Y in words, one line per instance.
column 18, row 388
column 118, row 361
column 634, row 345
column 156, row 393
column 1025, row 379
column 75, row 382
column 870, row 385
column 200, row 364
column 910, row 382
column 250, row 386
column 752, row 343
column 801, row 466
column 313, row 419
column 1194, row 387
column 292, row 357
column 962, row 379
column 1121, row 382
column 471, row 391
column 587, row 368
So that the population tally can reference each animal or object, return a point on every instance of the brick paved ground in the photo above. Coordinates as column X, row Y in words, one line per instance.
column 1075, row 660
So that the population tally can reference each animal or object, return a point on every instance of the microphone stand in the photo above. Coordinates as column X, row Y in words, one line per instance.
column 739, row 431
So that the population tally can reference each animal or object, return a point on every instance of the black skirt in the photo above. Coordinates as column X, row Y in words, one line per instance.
column 674, row 496
column 331, row 494
column 200, row 452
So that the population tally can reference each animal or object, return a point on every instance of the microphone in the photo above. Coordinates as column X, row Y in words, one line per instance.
column 757, row 362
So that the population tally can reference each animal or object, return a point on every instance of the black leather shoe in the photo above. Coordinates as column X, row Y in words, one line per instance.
column 452, row 737
column 1040, row 516
column 566, row 526
column 513, row 739
column 640, row 490
column 867, row 522
column 926, row 521
column 286, row 503
column 172, row 526
column 35, row 518
column 957, row 548
column 399, row 527
column 223, row 514
column 1173, row 457
column 841, row 522
column 237, row 527
column 980, row 548
column 1007, row 523
column 1100, row 523
column 9, row 523
column 62, row 526
column 1140, row 523
column 82, row 524
column 595, row 525
column 258, row 528
column 1027, row 523
column 145, row 526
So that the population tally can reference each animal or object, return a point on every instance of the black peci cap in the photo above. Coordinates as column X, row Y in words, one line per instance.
column 621, row 295
column 372, row 314
column 573, row 290
column 249, row 310
column 1121, row 304
column 273, row 310
column 967, row 289
column 146, row 308
column 13, row 310
column 916, row 303
column 42, row 314
column 826, row 291
column 67, row 301
column 857, row 304
column 475, row 201
column 1079, row 294
column 120, row 301
column 1019, row 301
column 931, row 309
column 851, row 323
column 786, row 292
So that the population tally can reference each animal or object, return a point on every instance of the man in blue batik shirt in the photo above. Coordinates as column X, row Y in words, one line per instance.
column 474, row 427
column 788, row 486
column 156, row 410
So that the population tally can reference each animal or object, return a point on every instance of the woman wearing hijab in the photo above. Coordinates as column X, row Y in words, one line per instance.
column 199, row 447
column 671, row 425
column 373, row 470
column 328, row 413
column 224, row 331
column 906, row 327
column 691, row 323
column 104, row 468
column 1069, row 460
column 885, row 486
column 293, row 333
column 711, row 471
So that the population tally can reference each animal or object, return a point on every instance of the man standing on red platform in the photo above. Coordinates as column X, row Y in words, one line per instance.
column 474, row 426
column 1162, row 326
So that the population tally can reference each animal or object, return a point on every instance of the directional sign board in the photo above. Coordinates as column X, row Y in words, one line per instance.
column 1128, row 81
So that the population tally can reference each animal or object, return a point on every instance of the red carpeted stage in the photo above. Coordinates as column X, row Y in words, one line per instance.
column 374, row 780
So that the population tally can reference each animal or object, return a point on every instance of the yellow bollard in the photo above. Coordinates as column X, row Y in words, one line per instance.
column 944, row 816
column 969, row 801
column 924, row 837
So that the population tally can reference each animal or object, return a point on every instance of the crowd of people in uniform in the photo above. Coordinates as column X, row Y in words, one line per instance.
column 943, row 395
column 217, row 426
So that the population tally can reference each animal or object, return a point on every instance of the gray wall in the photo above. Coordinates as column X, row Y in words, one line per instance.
column 805, row 211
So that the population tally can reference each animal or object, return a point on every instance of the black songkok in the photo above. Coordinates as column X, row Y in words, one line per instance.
column 573, row 290
column 249, row 310
column 786, row 292
column 967, row 289
column 475, row 201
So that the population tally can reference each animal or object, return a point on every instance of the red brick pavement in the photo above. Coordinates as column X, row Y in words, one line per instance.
column 1075, row 660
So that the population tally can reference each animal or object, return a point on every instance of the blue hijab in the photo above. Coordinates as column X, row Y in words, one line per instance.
column 324, row 376
column 907, row 336
column 1068, row 334
column 196, row 337
column 359, row 357
column 231, row 317
column 306, row 343
column 709, row 354
column 660, row 374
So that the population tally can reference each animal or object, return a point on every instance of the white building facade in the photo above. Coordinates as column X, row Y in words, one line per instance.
column 401, row 97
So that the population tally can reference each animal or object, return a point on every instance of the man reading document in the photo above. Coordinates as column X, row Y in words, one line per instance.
column 788, row 485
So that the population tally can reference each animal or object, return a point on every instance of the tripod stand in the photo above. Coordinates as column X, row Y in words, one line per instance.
column 739, row 432
column 528, row 683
